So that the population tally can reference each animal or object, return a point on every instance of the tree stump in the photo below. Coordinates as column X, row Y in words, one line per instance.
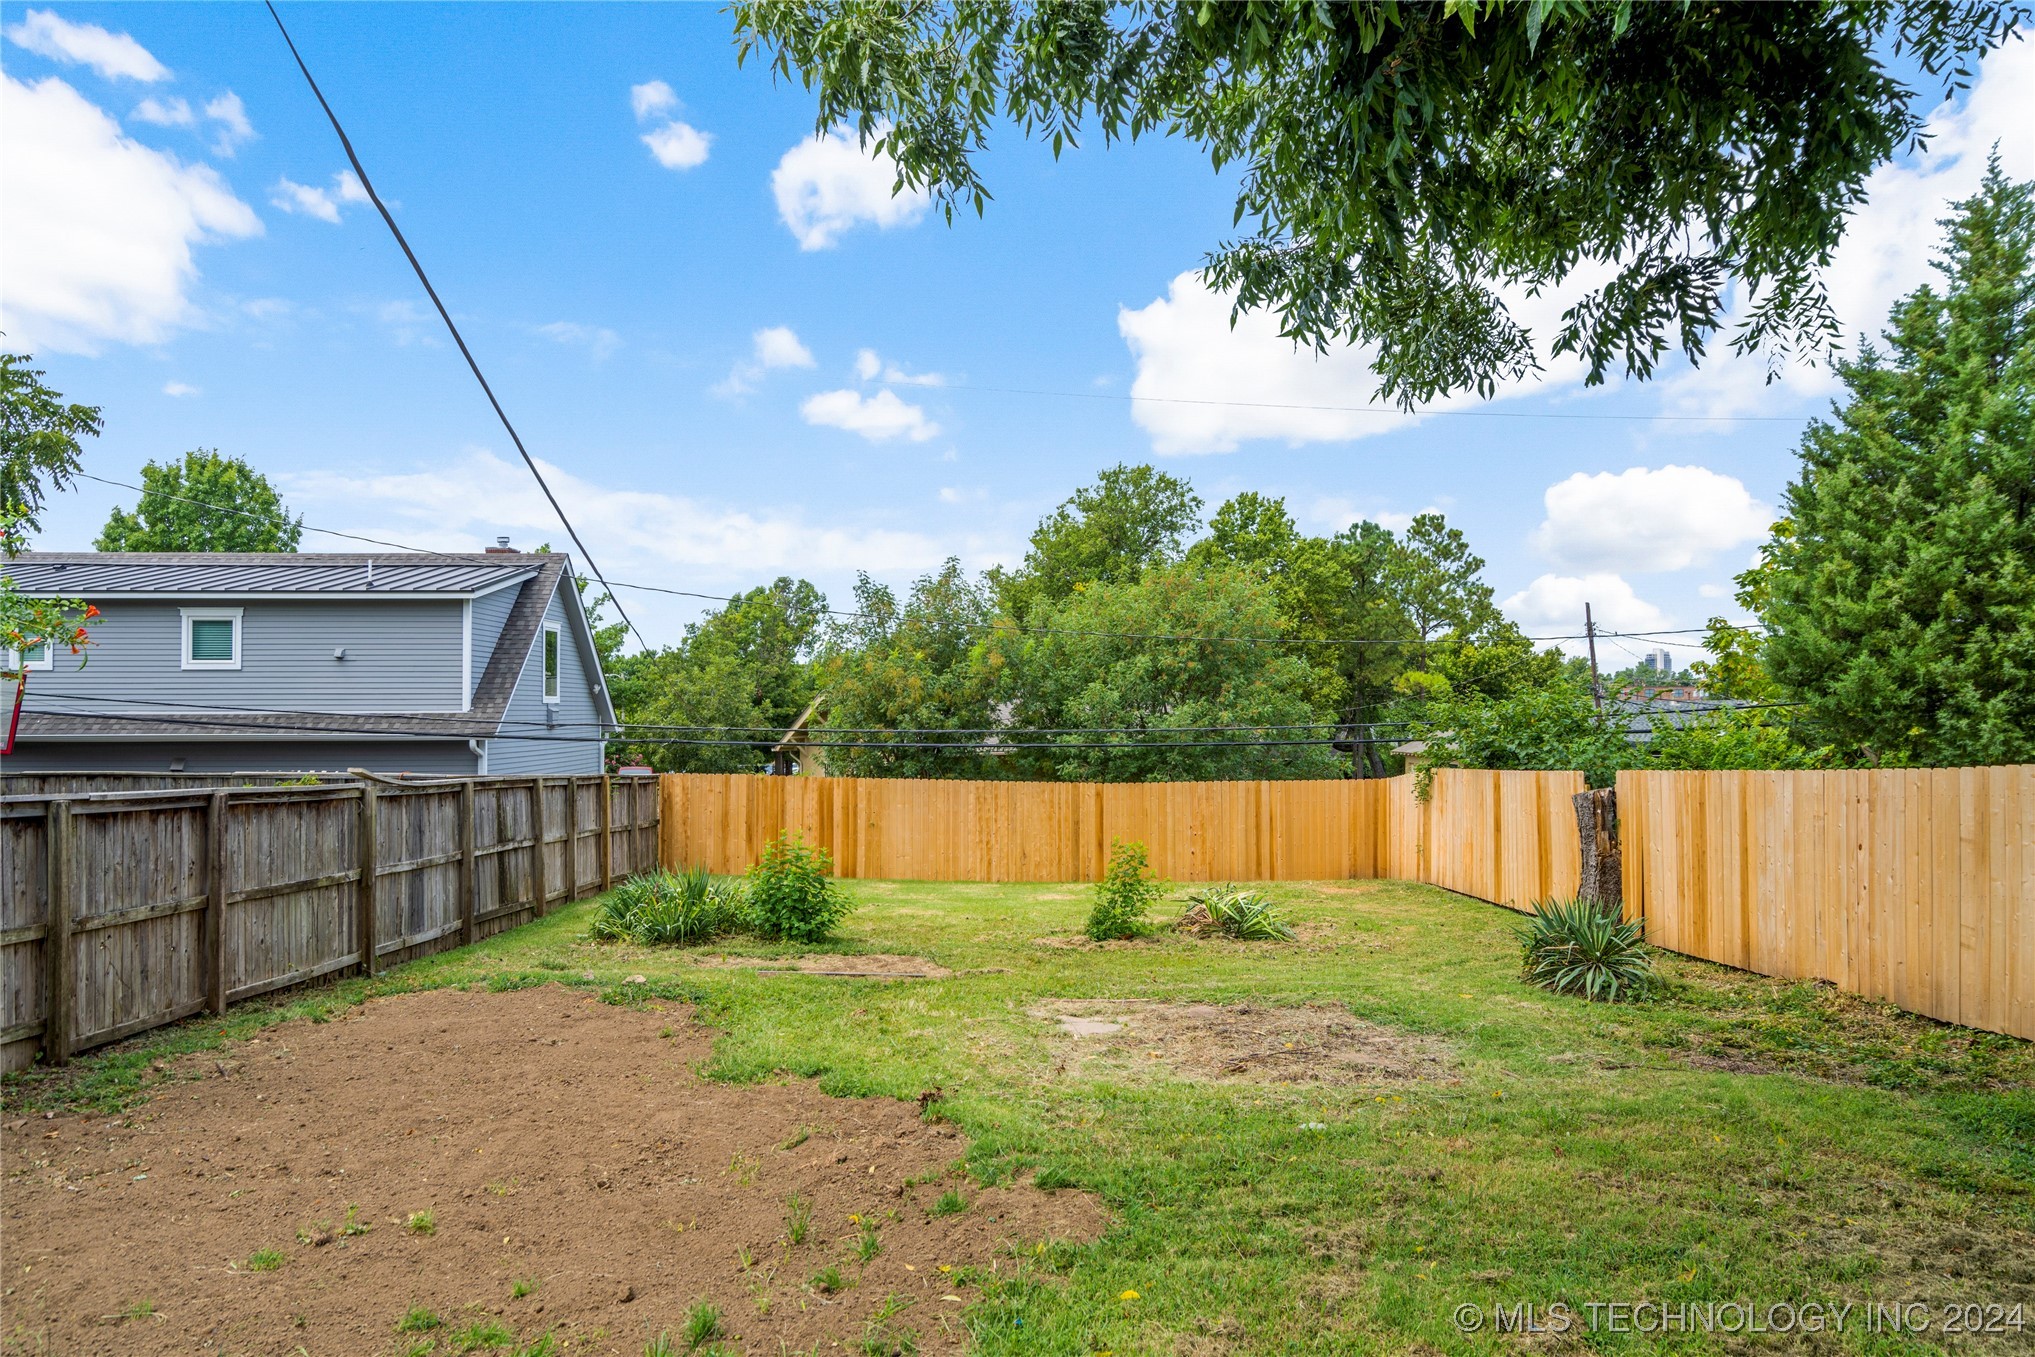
column 1597, row 828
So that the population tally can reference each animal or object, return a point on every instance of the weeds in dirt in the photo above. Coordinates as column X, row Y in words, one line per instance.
column 883, row 1337
column 796, row 1138
column 484, row 1333
column 504, row 1188
column 798, row 1218
column 744, row 1168
column 418, row 1320
column 353, row 1225
column 661, row 1346
column 264, row 1260
column 521, row 1287
column 702, row 1325
column 867, row 1244
column 828, row 1281
column 421, row 1223
column 951, row 1203
column 141, row 1309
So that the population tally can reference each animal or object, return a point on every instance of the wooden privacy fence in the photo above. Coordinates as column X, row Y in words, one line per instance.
column 122, row 912
column 1912, row 885
column 1505, row 837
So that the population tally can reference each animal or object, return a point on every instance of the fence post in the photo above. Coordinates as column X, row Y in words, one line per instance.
column 538, row 872
column 56, row 941
column 467, row 884
column 607, row 832
column 571, row 839
column 215, row 906
column 370, row 920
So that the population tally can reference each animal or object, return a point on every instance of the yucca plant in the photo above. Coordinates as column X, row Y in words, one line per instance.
column 1235, row 912
column 668, row 909
column 1574, row 947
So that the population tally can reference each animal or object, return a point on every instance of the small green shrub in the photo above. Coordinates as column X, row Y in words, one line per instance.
column 1235, row 912
column 668, row 909
column 1128, row 888
column 1574, row 947
column 792, row 892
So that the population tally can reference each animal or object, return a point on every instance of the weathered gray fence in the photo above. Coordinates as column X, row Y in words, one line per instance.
column 125, row 911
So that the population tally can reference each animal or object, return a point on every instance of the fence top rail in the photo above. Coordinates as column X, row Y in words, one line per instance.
column 194, row 795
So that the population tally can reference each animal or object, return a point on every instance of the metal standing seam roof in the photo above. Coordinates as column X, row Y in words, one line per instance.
column 82, row 573
column 490, row 699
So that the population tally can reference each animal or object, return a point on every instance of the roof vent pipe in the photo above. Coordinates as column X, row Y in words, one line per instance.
column 501, row 547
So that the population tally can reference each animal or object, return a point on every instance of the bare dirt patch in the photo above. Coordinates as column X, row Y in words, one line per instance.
column 878, row 965
column 1242, row 1043
column 563, row 1148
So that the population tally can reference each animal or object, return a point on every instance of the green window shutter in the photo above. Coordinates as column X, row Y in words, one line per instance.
column 211, row 638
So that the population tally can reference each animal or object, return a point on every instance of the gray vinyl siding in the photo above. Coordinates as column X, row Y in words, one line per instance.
column 490, row 614
column 530, row 742
column 401, row 656
column 445, row 757
column 515, row 758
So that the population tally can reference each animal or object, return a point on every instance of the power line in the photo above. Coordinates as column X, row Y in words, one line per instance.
column 998, row 624
column 360, row 172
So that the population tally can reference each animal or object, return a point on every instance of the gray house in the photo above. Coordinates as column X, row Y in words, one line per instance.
column 251, row 662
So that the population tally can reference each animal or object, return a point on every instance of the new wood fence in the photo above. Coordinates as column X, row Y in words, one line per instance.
column 1505, row 837
column 122, row 912
column 1915, row 885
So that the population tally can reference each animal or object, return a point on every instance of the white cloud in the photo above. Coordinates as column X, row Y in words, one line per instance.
column 954, row 494
column 597, row 340
column 1336, row 513
column 1203, row 385
column 164, row 112
column 678, row 146
column 234, row 128
column 869, row 366
column 97, row 229
column 651, row 98
column 1641, row 519
column 116, row 56
column 463, row 504
column 1553, row 606
column 1890, row 240
column 322, row 203
column 777, row 346
column 878, row 418
column 180, row 389
column 830, row 184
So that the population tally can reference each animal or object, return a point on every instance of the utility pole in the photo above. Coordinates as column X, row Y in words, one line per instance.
column 1590, row 630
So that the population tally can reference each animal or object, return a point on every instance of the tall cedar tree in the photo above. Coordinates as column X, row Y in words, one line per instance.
column 1900, row 590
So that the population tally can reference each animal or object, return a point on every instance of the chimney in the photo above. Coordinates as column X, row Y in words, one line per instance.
column 501, row 548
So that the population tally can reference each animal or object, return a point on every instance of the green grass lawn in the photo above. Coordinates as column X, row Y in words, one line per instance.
column 1735, row 1139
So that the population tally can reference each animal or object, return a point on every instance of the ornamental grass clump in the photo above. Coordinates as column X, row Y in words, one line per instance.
column 1235, row 912
column 1127, row 890
column 1574, row 947
column 792, row 892
column 668, row 909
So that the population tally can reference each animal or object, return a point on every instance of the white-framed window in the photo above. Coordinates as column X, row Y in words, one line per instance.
column 551, row 643
column 211, row 638
column 36, row 655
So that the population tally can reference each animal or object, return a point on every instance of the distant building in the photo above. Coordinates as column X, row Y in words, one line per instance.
column 1659, row 661
column 457, row 664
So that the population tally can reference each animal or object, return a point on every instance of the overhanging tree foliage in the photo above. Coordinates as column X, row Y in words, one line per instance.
column 1899, row 591
column 1406, row 167
column 39, row 433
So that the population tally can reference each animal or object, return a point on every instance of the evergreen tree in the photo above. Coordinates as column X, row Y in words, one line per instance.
column 1900, row 594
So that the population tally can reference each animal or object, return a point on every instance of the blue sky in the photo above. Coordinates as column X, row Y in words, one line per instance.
column 741, row 356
